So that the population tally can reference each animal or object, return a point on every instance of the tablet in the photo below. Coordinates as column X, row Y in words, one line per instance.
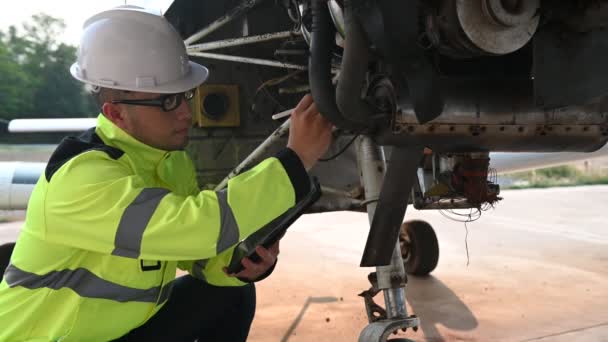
column 273, row 231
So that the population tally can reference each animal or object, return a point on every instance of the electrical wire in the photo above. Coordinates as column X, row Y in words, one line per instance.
column 466, row 243
column 263, row 88
column 471, row 217
column 342, row 150
column 277, row 80
column 297, row 19
column 459, row 217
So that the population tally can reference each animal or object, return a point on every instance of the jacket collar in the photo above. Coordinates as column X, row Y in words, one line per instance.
column 144, row 155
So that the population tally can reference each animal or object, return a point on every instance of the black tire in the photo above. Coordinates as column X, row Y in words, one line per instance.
column 419, row 247
column 5, row 256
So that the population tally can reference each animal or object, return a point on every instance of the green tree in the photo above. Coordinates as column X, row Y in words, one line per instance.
column 15, row 91
column 34, row 68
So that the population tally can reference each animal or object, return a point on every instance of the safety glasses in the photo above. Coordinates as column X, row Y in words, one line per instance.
column 167, row 102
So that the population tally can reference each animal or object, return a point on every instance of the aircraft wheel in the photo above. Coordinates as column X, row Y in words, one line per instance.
column 419, row 247
column 5, row 256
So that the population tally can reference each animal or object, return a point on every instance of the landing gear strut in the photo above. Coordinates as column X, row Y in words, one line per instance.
column 390, row 279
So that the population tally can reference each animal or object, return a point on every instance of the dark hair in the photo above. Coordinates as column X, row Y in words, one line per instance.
column 103, row 95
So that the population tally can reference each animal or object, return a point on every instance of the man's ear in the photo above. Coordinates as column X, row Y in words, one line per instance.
column 114, row 113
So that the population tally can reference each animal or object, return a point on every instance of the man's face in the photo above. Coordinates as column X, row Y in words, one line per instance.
column 153, row 126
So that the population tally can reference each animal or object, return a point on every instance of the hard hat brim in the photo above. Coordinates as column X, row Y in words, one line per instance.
column 198, row 74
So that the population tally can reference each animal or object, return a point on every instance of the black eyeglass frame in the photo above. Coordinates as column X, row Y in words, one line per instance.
column 160, row 101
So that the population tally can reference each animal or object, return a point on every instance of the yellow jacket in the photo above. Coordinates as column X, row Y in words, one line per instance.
column 109, row 222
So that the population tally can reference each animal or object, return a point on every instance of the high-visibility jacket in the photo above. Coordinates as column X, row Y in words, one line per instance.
column 111, row 219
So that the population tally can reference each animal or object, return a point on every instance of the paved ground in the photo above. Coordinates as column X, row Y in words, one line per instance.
column 538, row 271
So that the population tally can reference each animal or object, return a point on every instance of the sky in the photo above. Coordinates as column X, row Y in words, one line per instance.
column 73, row 12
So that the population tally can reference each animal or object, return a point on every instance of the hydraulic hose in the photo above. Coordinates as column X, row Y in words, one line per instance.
column 355, row 60
column 319, row 67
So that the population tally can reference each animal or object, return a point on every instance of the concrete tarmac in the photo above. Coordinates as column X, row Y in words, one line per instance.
column 537, row 271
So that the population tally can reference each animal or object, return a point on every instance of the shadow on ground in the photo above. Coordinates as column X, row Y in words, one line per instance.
column 436, row 304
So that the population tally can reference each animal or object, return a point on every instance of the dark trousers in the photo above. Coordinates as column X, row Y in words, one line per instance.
column 199, row 311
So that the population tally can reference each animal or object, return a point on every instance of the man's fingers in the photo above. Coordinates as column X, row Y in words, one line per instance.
column 304, row 103
column 252, row 270
column 275, row 248
column 248, row 264
column 265, row 254
column 312, row 110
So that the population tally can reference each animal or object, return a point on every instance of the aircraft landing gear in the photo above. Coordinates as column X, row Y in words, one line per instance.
column 419, row 247
column 390, row 279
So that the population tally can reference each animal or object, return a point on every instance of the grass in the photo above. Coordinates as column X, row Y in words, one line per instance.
column 558, row 176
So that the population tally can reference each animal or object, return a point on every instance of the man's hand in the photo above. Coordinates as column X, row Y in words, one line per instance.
column 309, row 133
column 254, row 270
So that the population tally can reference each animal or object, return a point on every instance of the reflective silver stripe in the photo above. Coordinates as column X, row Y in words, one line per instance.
column 134, row 221
column 229, row 230
column 197, row 268
column 81, row 281
column 165, row 292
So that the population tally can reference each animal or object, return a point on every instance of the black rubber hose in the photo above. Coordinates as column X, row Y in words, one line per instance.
column 319, row 67
column 355, row 60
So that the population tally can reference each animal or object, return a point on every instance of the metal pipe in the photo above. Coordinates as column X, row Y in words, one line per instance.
column 234, row 13
column 249, row 60
column 337, row 16
column 331, row 201
column 51, row 125
column 394, row 293
column 372, row 166
column 258, row 152
column 336, row 192
column 290, row 52
column 17, row 181
column 294, row 90
column 220, row 44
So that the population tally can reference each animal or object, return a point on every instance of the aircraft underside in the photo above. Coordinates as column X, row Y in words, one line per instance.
column 423, row 90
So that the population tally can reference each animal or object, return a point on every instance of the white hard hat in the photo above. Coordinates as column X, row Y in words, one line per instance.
column 129, row 48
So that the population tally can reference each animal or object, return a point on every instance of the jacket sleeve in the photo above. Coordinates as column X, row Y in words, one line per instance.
column 96, row 203
column 211, row 270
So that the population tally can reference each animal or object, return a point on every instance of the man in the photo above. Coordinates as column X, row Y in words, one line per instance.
column 118, row 208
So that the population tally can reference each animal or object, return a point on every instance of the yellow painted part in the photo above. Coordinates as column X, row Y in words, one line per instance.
column 438, row 189
column 232, row 118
